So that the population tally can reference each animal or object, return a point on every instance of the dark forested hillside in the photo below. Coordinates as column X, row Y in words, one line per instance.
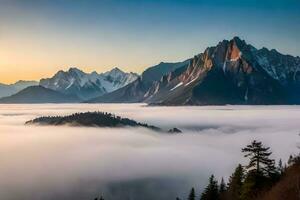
column 260, row 179
column 93, row 119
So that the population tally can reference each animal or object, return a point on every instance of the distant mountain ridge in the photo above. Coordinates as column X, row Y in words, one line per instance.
column 88, row 85
column 136, row 91
column 39, row 94
column 9, row 89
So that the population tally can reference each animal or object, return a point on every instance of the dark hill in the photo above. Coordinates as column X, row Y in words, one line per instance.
column 39, row 94
column 90, row 119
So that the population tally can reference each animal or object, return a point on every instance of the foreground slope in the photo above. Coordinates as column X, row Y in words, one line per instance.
column 288, row 187
column 39, row 94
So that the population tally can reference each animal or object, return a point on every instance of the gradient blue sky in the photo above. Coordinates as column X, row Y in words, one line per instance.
column 39, row 37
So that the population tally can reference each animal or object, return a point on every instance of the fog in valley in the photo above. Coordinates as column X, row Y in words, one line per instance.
column 47, row 162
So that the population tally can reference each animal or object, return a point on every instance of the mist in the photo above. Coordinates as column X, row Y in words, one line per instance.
column 47, row 162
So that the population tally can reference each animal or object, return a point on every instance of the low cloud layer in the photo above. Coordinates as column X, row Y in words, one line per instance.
column 78, row 163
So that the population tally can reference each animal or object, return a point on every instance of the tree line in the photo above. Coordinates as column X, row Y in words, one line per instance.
column 100, row 119
column 248, row 182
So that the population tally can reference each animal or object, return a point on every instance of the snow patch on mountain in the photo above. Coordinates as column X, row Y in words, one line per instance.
column 191, row 81
column 178, row 85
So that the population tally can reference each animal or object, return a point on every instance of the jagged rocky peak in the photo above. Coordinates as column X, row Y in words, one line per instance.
column 115, row 72
column 75, row 70
column 227, row 50
column 226, row 55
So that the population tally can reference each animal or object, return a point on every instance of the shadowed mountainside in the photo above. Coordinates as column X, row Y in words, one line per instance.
column 39, row 94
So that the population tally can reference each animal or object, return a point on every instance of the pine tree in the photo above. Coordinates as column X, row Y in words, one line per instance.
column 280, row 167
column 101, row 198
column 260, row 163
column 290, row 160
column 211, row 192
column 222, row 189
column 192, row 195
column 261, row 170
column 234, row 190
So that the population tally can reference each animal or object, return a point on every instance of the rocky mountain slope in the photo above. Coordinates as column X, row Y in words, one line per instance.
column 233, row 72
column 88, row 85
column 135, row 91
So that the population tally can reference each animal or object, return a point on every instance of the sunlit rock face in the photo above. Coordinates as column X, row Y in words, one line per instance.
column 233, row 72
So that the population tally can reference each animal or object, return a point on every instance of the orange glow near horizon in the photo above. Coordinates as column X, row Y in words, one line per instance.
column 33, row 62
column 35, row 58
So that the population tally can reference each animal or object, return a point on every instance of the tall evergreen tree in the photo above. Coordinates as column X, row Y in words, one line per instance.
column 280, row 167
column 261, row 170
column 211, row 192
column 192, row 195
column 222, row 189
column 234, row 190
column 260, row 163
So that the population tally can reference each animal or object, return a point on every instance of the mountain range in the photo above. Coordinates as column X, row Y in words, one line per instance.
column 232, row 72
column 88, row 85
column 74, row 85
column 136, row 91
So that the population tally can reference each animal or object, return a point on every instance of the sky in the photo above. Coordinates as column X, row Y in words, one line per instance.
column 40, row 37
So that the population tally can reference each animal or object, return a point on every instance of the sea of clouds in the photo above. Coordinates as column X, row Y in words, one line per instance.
column 43, row 162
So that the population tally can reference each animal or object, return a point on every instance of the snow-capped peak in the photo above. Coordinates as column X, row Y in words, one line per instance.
column 115, row 72
column 87, row 85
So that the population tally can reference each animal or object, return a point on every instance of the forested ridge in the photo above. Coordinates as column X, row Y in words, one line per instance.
column 96, row 119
